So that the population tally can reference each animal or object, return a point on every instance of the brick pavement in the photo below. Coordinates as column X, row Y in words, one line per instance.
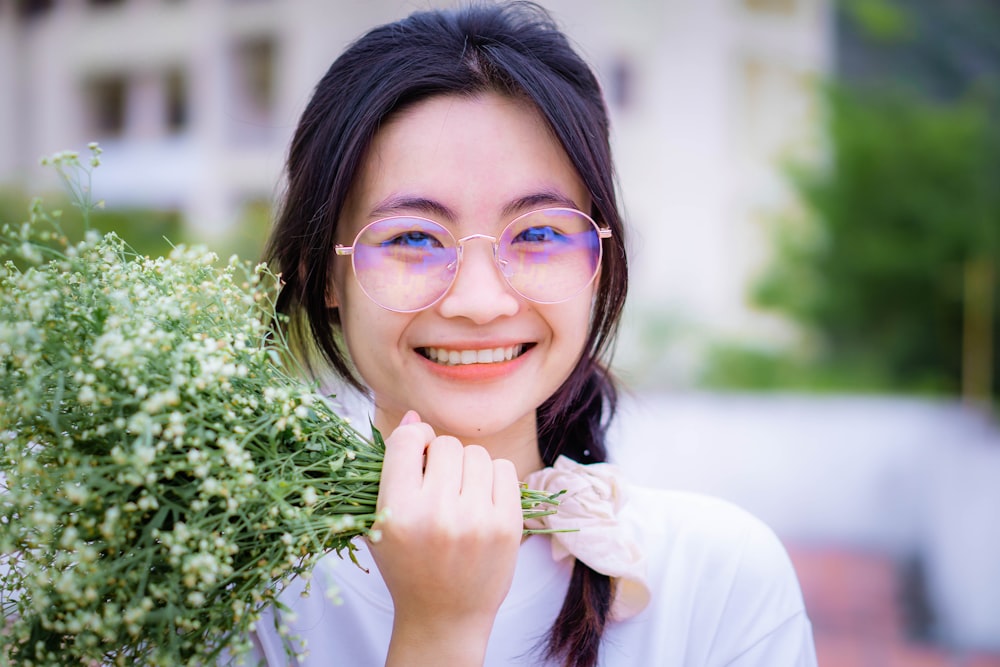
column 862, row 616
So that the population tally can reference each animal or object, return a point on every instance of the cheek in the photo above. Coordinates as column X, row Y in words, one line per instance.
column 361, row 344
column 371, row 333
column 571, row 322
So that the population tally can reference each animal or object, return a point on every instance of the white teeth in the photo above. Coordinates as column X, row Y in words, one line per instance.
column 464, row 357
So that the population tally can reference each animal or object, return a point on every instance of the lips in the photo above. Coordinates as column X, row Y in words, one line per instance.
column 467, row 357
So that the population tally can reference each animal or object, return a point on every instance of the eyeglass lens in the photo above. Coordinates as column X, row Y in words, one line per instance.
column 406, row 264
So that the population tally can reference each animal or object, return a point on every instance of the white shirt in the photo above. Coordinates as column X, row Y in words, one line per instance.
column 723, row 594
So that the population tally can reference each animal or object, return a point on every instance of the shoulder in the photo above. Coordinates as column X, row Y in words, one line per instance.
column 702, row 527
column 700, row 521
column 717, row 565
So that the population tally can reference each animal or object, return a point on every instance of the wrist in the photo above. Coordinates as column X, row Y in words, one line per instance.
column 435, row 642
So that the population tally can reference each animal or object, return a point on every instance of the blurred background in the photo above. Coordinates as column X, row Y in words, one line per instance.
column 813, row 188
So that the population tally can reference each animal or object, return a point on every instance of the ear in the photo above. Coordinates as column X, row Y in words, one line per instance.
column 331, row 291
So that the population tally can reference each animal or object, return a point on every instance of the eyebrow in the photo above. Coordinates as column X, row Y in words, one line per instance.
column 538, row 200
column 400, row 204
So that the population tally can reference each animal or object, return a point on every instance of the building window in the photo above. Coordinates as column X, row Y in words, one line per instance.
column 253, row 92
column 176, row 100
column 31, row 9
column 106, row 99
column 256, row 58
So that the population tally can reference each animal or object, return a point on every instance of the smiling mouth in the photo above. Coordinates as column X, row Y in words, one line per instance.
column 493, row 355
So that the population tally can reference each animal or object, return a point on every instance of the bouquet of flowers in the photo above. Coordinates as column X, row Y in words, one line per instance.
column 165, row 469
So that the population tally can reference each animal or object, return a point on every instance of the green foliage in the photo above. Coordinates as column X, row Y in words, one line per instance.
column 738, row 366
column 150, row 232
column 875, row 265
column 881, row 19
column 247, row 236
column 145, row 230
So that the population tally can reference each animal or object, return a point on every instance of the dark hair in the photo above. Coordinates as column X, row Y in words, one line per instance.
column 515, row 49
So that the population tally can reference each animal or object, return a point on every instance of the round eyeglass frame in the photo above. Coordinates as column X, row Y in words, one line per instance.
column 459, row 244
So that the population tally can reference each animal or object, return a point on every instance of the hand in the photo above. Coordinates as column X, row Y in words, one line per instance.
column 448, row 544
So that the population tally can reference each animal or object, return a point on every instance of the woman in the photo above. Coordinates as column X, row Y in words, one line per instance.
column 452, row 248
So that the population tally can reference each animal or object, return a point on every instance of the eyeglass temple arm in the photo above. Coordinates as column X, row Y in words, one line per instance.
column 348, row 250
column 604, row 232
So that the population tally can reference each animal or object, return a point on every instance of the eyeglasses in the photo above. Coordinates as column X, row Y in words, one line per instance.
column 406, row 264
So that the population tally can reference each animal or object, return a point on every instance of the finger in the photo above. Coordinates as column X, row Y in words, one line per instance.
column 507, row 490
column 402, row 468
column 444, row 465
column 477, row 473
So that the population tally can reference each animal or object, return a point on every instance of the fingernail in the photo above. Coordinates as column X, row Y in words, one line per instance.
column 411, row 417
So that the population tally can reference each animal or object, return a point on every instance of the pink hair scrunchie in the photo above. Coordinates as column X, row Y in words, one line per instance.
column 594, row 495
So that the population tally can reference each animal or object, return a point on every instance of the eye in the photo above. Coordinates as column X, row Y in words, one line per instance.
column 413, row 239
column 538, row 234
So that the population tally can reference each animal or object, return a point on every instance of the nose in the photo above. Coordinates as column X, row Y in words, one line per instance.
column 479, row 292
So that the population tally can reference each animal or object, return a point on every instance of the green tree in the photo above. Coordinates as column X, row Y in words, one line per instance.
column 893, row 264
column 905, row 205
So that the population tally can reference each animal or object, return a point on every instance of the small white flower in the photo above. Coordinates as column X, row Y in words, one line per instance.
column 37, row 309
column 161, row 399
column 110, row 523
column 144, row 454
column 211, row 487
column 86, row 396
column 30, row 253
column 69, row 536
column 146, row 502
column 75, row 493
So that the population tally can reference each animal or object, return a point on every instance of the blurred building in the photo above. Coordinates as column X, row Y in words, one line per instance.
column 194, row 102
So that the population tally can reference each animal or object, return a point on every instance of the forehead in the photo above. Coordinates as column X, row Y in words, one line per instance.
column 474, row 155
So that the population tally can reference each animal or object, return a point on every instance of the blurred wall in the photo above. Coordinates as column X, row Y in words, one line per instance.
column 194, row 102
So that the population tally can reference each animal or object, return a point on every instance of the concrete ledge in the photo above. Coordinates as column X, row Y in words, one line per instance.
column 904, row 477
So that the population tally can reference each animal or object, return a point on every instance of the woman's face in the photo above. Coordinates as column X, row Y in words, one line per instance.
column 472, row 164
